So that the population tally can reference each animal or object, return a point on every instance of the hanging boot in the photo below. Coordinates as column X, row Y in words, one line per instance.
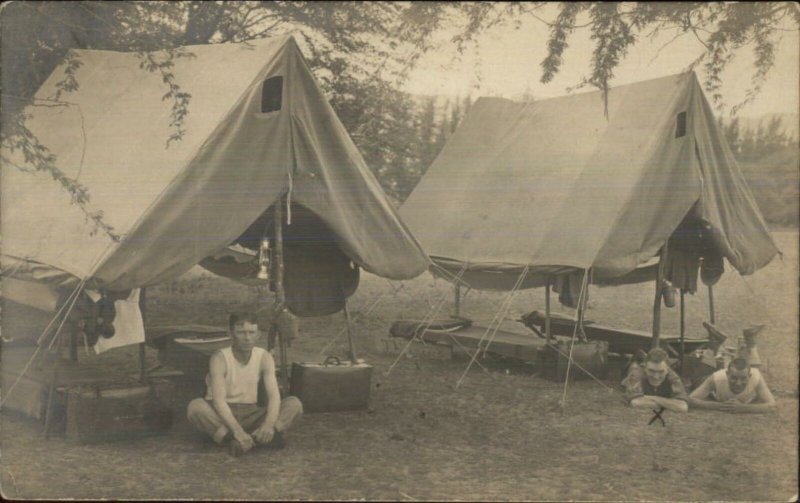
column 749, row 351
column 716, row 336
column 750, row 335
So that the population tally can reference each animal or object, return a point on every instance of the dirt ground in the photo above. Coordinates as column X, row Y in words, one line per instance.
column 500, row 436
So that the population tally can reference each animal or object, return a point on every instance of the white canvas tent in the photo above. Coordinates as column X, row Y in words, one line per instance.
column 259, row 132
column 558, row 186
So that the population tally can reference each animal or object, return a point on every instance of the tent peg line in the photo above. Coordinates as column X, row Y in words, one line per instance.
column 358, row 316
column 39, row 345
column 427, row 322
column 498, row 318
column 581, row 300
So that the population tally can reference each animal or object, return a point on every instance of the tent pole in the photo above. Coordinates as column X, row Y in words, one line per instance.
column 53, row 386
column 582, row 300
column 683, row 330
column 280, row 295
column 349, row 333
column 457, row 292
column 711, row 304
column 657, row 301
column 548, row 337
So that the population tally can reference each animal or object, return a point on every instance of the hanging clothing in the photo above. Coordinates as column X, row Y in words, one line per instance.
column 128, row 324
column 568, row 287
column 681, row 268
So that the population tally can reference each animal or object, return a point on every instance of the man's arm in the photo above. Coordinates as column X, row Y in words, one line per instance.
column 765, row 401
column 217, row 371
column 699, row 397
column 633, row 384
column 264, row 433
column 650, row 401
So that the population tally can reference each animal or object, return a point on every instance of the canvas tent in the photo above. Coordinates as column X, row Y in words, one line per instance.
column 259, row 133
column 555, row 186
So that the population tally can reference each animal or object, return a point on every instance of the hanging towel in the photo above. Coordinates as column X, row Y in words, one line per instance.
column 128, row 324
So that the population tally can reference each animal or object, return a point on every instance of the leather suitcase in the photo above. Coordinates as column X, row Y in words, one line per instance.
column 100, row 413
column 330, row 386
column 591, row 355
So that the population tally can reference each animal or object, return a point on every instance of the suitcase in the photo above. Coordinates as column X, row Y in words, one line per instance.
column 591, row 355
column 101, row 413
column 330, row 386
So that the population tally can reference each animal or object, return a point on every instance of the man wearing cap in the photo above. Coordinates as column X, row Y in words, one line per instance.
column 739, row 388
column 229, row 413
column 655, row 385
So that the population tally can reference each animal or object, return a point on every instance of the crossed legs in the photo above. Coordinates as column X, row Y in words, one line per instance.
column 203, row 417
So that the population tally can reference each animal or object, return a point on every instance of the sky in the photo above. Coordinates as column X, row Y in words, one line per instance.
column 507, row 61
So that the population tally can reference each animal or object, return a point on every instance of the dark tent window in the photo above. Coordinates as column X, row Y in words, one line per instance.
column 271, row 94
column 680, row 125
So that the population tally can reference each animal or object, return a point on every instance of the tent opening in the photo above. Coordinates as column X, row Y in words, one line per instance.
column 318, row 275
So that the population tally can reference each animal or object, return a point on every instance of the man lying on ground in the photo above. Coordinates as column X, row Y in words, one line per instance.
column 655, row 385
column 230, row 413
column 739, row 388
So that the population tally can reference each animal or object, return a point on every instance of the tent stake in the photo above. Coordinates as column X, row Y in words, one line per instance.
column 683, row 330
column 280, row 295
column 711, row 304
column 547, row 312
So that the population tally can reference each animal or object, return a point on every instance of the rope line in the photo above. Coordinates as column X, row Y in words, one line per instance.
column 432, row 315
column 507, row 307
column 581, row 299
column 39, row 346
column 498, row 318
column 73, row 297
column 583, row 369
column 359, row 316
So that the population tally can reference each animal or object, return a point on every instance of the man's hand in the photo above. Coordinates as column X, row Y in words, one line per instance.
column 263, row 435
column 242, row 442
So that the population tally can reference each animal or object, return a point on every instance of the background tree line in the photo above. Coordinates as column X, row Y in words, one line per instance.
column 770, row 160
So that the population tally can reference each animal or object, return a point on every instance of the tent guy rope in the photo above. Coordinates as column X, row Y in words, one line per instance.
column 427, row 322
column 503, row 307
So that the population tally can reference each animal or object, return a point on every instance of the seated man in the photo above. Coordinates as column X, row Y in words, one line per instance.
column 734, row 389
column 230, row 412
column 656, row 385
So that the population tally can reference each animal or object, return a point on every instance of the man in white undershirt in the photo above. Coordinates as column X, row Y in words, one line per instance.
column 739, row 388
column 229, row 412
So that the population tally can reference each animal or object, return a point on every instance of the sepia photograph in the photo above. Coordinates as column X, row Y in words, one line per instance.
column 399, row 251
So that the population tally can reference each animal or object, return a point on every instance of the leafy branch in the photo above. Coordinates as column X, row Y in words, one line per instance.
column 180, row 99
column 18, row 138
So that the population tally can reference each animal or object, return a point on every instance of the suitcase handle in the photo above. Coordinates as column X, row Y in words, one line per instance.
column 331, row 359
